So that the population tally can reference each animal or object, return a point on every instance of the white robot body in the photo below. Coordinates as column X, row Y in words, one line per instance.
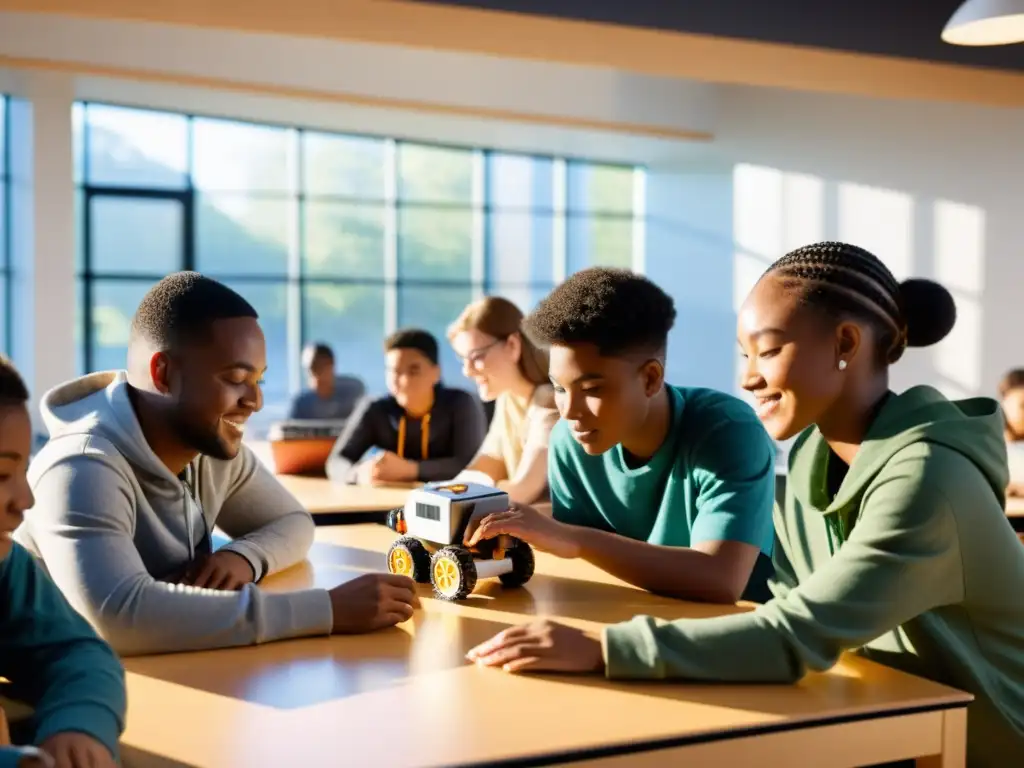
column 441, row 514
column 433, row 524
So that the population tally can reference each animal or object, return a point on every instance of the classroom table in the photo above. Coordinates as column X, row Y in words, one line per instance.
column 406, row 697
column 333, row 503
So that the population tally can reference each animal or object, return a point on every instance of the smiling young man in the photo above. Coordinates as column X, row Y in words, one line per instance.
column 142, row 464
column 668, row 488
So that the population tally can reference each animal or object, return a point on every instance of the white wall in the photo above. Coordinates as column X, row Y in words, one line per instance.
column 934, row 190
column 43, row 234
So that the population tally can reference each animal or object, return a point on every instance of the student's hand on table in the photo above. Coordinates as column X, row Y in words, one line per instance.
column 526, row 523
column 224, row 570
column 372, row 601
column 542, row 646
column 366, row 470
column 389, row 467
column 74, row 750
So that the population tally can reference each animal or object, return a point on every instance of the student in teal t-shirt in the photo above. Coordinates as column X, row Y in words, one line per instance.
column 668, row 488
column 53, row 659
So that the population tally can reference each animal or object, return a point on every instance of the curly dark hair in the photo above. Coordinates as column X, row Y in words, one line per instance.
column 180, row 308
column 845, row 281
column 616, row 310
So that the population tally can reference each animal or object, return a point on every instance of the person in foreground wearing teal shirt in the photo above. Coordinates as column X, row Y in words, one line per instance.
column 892, row 541
column 53, row 659
column 668, row 488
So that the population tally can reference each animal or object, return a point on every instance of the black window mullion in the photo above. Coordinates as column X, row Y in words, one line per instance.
column 87, row 293
column 89, row 192
column 300, row 201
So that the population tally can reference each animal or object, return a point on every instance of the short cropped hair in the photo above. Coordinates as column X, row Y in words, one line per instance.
column 843, row 280
column 618, row 311
column 318, row 351
column 413, row 338
column 180, row 308
column 12, row 387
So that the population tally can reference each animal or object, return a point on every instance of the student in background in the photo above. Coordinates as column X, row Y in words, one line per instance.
column 892, row 541
column 329, row 396
column 422, row 431
column 511, row 371
column 142, row 464
column 668, row 488
column 1011, row 400
column 53, row 659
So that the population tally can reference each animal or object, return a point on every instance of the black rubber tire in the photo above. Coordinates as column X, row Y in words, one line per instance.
column 417, row 553
column 522, row 565
column 466, row 572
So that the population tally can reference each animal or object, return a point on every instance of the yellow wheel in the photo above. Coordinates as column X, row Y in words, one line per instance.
column 453, row 573
column 408, row 557
column 400, row 562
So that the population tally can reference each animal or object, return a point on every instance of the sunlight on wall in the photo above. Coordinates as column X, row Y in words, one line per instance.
column 881, row 221
column 960, row 266
column 773, row 213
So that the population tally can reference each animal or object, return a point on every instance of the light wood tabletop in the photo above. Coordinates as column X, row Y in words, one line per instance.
column 406, row 696
column 322, row 497
column 335, row 502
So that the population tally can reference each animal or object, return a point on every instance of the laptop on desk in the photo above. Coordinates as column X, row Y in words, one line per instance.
column 302, row 446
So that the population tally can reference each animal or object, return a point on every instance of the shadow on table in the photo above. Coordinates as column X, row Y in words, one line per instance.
column 557, row 596
column 299, row 673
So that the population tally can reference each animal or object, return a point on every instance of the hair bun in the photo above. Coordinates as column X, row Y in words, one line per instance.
column 929, row 310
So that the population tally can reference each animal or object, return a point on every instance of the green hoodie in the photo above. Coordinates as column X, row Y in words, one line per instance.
column 913, row 564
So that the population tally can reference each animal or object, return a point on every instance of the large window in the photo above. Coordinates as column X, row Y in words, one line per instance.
column 333, row 238
column 5, row 228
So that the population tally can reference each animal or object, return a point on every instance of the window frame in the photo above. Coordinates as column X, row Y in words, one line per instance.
column 480, row 281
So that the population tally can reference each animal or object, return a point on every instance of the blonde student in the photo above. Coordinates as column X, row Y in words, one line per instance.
column 511, row 371
column 891, row 542
column 53, row 659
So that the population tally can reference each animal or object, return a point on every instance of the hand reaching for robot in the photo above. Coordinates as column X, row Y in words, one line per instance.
column 526, row 523
column 372, row 601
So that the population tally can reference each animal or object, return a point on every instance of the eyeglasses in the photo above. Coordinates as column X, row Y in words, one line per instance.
column 476, row 356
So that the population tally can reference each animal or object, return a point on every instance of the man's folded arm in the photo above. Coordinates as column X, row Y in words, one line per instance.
column 83, row 525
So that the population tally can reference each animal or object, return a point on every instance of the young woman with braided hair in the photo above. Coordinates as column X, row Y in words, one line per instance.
column 892, row 540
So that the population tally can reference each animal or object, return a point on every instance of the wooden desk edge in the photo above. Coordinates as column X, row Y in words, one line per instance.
column 933, row 736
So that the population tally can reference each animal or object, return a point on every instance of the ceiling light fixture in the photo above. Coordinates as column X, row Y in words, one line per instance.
column 986, row 22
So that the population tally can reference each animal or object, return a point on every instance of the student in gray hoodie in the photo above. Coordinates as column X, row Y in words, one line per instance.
column 142, row 464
